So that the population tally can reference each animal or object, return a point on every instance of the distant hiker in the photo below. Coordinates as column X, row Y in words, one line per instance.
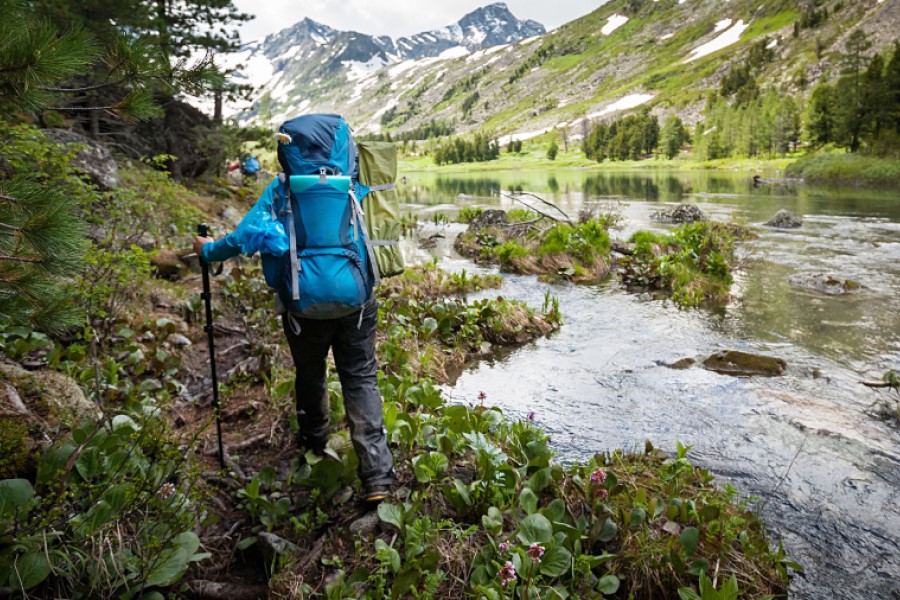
column 250, row 167
column 311, row 232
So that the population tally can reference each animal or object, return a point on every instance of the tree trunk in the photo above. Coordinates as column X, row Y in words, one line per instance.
column 217, row 111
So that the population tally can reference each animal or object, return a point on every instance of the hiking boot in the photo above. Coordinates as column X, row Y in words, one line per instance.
column 375, row 494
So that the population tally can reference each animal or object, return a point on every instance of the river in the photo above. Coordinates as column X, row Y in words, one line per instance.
column 826, row 471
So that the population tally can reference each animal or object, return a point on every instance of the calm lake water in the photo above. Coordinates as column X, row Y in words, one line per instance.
column 826, row 471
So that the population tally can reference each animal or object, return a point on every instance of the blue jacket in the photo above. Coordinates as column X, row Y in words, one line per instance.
column 255, row 233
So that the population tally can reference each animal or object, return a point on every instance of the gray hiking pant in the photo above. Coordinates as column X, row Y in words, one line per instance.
column 353, row 347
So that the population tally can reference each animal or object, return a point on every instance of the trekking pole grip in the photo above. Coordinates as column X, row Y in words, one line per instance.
column 202, row 229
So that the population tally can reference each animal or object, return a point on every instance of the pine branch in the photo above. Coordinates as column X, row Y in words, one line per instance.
column 25, row 259
column 86, row 88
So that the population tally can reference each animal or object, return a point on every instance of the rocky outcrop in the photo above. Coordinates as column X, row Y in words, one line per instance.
column 93, row 159
column 682, row 213
column 50, row 395
column 785, row 219
column 745, row 364
column 824, row 283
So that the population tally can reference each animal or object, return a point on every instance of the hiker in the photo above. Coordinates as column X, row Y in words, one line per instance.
column 324, row 273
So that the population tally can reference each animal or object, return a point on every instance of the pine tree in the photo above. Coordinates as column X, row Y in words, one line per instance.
column 41, row 236
column 851, row 116
column 553, row 150
column 821, row 118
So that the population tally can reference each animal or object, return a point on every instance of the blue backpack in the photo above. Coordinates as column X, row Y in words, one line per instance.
column 328, row 271
column 250, row 166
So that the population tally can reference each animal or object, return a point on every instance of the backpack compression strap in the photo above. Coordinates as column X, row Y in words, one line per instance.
column 285, row 193
column 360, row 222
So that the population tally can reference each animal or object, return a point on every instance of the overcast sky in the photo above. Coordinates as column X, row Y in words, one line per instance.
column 395, row 17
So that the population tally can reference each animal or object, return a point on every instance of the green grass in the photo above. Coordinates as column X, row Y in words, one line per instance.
column 852, row 169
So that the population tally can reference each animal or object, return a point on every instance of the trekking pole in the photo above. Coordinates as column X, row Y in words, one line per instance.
column 203, row 231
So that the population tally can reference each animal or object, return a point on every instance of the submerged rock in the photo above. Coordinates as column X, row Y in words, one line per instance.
column 824, row 283
column 744, row 364
column 681, row 364
column 785, row 219
column 683, row 213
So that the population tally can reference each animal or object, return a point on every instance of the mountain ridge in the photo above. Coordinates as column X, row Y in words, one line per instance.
column 626, row 54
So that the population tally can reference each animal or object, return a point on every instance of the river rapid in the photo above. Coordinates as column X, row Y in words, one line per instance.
column 825, row 470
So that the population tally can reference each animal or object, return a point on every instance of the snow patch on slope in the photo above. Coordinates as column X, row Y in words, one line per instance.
column 357, row 70
column 730, row 36
column 613, row 23
column 625, row 103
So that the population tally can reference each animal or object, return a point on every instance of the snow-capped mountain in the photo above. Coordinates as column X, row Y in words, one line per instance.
column 316, row 58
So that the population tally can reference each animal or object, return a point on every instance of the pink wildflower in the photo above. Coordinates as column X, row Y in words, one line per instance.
column 504, row 547
column 598, row 478
column 166, row 490
column 535, row 551
column 508, row 573
column 482, row 395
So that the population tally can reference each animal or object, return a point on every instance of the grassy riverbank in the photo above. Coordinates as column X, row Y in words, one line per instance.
column 847, row 169
column 535, row 159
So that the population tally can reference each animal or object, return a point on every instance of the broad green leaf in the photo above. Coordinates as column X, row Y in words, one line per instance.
column 701, row 565
column 528, row 501
column 540, row 480
column 688, row 594
column 638, row 516
column 14, row 494
column 407, row 579
column 32, row 569
column 608, row 532
column 556, row 561
column 555, row 511
column 709, row 513
column 608, row 585
column 89, row 464
column 391, row 513
column 729, row 589
column 535, row 529
column 463, row 491
column 690, row 537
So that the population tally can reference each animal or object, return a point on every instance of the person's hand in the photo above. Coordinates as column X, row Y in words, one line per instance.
column 199, row 242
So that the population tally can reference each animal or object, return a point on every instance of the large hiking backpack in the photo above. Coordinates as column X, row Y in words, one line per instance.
column 331, row 267
column 250, row 166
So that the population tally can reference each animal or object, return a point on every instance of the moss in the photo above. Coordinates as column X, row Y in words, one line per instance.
column 15, row 447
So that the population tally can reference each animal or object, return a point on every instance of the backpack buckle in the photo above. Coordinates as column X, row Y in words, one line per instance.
column 322, row 178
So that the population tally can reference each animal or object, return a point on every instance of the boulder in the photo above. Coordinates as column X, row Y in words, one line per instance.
column 744, row 364
column 173, row 264
column 824, row 283
column 93, row 159
column 785, row 219
column 231, row 216
column 272, row 545
column 682, row 213
column 179, row 341
column 50, row 395
column 367, row 523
